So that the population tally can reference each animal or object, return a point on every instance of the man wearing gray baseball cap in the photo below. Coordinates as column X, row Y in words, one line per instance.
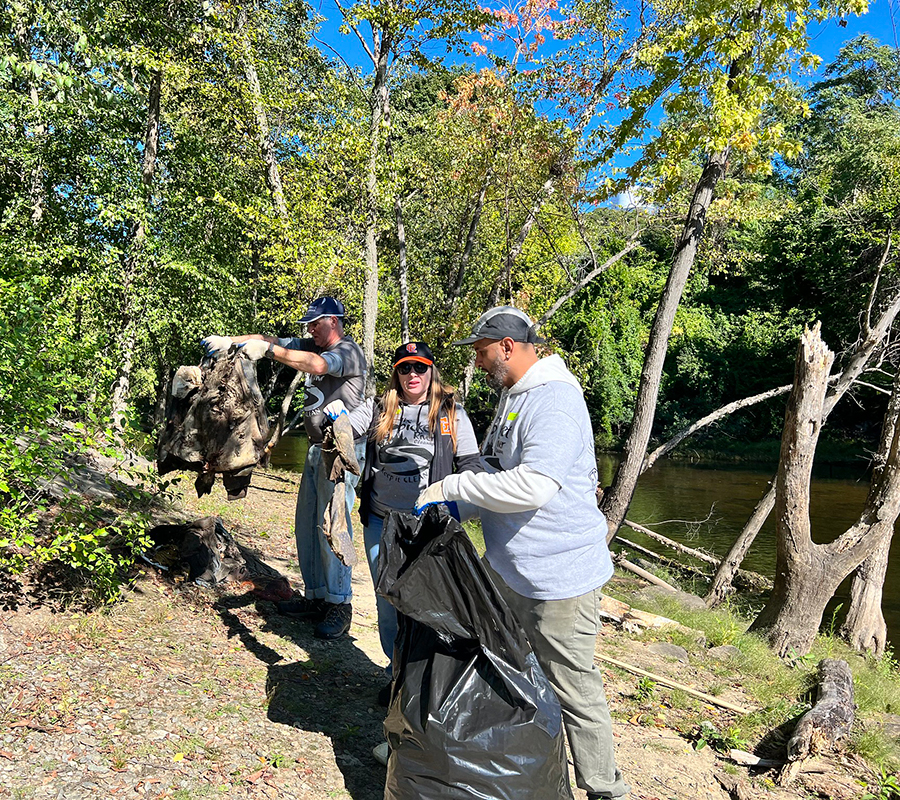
column 545, row 537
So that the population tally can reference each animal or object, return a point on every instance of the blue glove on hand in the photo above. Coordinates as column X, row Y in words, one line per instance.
column 433, row 495
column 254, row 349
column 216, row 346
column 334, row 409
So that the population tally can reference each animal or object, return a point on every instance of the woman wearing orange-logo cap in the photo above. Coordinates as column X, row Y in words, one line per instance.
column 417, row 434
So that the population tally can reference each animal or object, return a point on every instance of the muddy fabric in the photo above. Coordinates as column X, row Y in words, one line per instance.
column 215, row 424
column 212, row 557
column 471, row 714
column 338, row 458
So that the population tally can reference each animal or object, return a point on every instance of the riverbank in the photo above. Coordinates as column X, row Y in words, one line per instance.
column 763, row 454
column 179, row 691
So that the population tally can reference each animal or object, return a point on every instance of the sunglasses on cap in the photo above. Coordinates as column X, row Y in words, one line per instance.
column 408, row 366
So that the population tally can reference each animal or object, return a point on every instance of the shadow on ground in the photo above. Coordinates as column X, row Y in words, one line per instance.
column 333, row 692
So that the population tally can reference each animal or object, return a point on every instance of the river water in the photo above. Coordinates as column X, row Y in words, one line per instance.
column 704, row 505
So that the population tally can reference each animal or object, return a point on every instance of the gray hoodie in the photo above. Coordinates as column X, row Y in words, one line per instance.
column 543, row 531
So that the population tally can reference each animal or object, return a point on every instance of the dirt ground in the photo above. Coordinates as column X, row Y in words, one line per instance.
column 183, row 692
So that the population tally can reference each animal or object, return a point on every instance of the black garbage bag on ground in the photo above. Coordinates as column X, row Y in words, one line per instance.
column 471, row 714
column 215, row 424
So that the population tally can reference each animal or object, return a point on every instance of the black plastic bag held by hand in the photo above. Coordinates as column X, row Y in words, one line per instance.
column 472, row 715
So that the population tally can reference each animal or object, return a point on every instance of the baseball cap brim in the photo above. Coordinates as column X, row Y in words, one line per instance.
column 470, row 340
column 533, row 339
column 307, row 318
column 421, row 359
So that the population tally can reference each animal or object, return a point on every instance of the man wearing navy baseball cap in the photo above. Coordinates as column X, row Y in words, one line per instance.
column 336, row 370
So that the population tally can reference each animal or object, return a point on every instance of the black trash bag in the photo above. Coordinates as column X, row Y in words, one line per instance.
column 472, row 714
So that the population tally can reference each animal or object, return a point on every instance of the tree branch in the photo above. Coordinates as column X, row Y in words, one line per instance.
column 630, row 245
column 359, row 36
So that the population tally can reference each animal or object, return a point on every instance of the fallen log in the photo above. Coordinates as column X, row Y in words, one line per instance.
column 746, row 759
column 625, row 564
column 744, row 579
column 668, row 563
column 827, row 722
column 707, row 698
column 658, row 537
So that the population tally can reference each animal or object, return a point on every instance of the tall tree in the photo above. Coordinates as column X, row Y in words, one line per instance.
column 393, row 32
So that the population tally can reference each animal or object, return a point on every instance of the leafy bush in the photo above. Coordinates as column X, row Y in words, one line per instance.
column 47, row 428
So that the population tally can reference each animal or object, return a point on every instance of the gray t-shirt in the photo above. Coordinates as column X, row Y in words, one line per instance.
column 402, row 465
column 345, row 380
column 559, row 550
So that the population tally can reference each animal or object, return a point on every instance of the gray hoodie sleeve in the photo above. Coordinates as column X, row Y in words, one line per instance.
column 517, row 489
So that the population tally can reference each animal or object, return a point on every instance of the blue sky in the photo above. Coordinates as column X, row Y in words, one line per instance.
column 882, row 21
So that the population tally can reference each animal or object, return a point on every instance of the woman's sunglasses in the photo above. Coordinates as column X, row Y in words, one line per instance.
column 408, row 366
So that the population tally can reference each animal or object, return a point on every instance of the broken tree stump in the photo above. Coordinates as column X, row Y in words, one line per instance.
column 827, row 722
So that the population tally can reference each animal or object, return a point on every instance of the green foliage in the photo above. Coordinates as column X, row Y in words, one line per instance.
column 45, row 431
column 645, row 689
column 721, row 741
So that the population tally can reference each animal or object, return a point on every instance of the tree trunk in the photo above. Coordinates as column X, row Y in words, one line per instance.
column 164, row 378
column 402, row 266
column 617, row 499
column 380, row 106
column 128, row 338
column 403, row 273
column 865, row 629
column 38, row 132
column 723, row 580
column 807, row 574
column 266, row 148
column 804, row 583
column 456, row 287
column 870, row 340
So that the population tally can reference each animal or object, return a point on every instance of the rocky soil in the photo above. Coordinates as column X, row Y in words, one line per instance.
column 183, row 692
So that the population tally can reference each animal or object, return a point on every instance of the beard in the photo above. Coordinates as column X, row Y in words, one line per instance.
column 496, row 375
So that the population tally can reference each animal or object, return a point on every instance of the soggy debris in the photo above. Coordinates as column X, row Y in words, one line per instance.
column 215, row 424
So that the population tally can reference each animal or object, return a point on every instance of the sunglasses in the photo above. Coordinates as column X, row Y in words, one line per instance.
column 408, row 366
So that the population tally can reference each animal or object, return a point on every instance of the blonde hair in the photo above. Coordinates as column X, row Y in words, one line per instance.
column 441, row 396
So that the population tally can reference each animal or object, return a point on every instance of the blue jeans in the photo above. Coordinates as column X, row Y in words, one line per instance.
column 387, row 614
column 324, row 576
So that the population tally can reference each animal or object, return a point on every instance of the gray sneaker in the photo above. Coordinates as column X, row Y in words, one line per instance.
column 336, row 621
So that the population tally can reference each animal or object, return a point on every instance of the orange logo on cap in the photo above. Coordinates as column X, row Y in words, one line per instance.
column 411, row 347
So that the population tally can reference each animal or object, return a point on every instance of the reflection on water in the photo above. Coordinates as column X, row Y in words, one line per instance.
column 290, row 452
column 707, row 505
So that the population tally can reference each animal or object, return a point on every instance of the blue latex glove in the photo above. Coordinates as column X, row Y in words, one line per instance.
column 334, row 409
column 433, row 495
column 216, row 346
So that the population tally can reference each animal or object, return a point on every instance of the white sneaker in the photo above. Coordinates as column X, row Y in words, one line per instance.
column 381, row 753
